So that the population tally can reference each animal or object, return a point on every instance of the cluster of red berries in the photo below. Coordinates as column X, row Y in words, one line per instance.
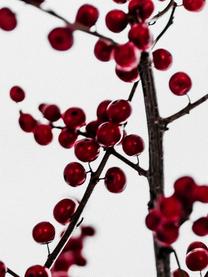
column 170, row 212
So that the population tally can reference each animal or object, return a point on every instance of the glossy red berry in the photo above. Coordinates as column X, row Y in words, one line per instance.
column 201, row 193
column 153, row 219
column 50, row 112
column 74, row 118
column 116, row 20
column 61, row 38
column 43, row 134
column 162, row 59
column 132, row 145
column 180, row 273
column 64, row 210
column 180, row 83
column 127, row 76
column 3, row 269
column 126, row 56
column 115, row 180
column 86, row 150
column 170, row 207
column 87, row 231
column 8, row 20
column 197, row 259
column 27, row 122
column 185, row 187
column 91, row 128
column 67, row 138
column 200, row 226
column 79, row 259
column 102, row 110
column 141, row 8
column 37, row 271
column 140, row 35
column 103, row 50
column 167, row 233
column 17, row 94
column 196, row 244
column 74, row 174
column 119, row 111
column 87, row 15
column 43, row 232
column 108, row 134
column 193, row 5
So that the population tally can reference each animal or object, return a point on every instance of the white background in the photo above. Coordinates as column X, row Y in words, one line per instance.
column 32, row 176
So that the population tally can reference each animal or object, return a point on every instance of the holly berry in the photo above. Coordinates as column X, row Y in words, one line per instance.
column 74, row 174
column 43, row 232
column 74, row 118
column 8, row 20
column 162, row 59
column 140, row 35
column 75, row 244
column 127, row 76
column 115, row 180
column 17, row 94
column 153, row 219
column 126, row 55
column 167, row 233
column 200, row 226
column 116, row 20
column 37, row 271
column 180, row 83
column 91, row 128
column 3, row 269
column 118, row 111
column 87, row 231
column 61, row 38
column 180, row 273
column 64, row 210
column 196, row 244
column 193, row 5
column 79, row 259
column 86, row 150
column 27, row 122
column 141, row 8
column 170, row 207
column 185, row 187
column 103, row 50
column 102, row 110
column 197, row 259
column 63, row 263
column 50, row 112
column 132, row 145
column 87, row 15
column 108, row 134
column 201, row 193
column 43, row 134
column 67, row 138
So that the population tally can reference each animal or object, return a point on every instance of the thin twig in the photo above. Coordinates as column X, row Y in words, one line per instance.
column 131, row 95
column 161, row 13
column 11, row 272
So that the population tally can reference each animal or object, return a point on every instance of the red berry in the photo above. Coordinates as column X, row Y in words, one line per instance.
column 196, row 244
column 27, row 122
column 141, row 8
column 75, row 244
column 120, row 1
column 43, row 232
column 197, row 259
column 170, row 207
column 87, row 15
column 74, row 118
column 67, row 138
column 180, row 273
column 132, row 145
column 116, row 20
column 74, row 174
column 64, row 210
column 79, row 259
column 126, row 55
column 86, row 150
column 61, row 38
column 91, row 128
column 63, row 263
column 43, row 134
column 115, row 180
column 37, row 271
column 108, row 134
column 201, row 193
column 200, row 226
column 118, row 111
column 102, row 110
column 162, row 59
column 8, row 19
column 127, row 76
column 3, row 269
column 87, row 231
column 60, row 273
column 180, row 83
column 185, row 187
column 153, row 219
column 140, row 35
column 103, row 50
column 50, row 112
column 167, row 233
column 193, row 5
column 17, row 94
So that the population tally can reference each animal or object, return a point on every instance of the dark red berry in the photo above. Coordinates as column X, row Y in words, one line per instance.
column 3, row 269
column 64, row 210
column 120, row 1
column 170, row 207
column 116, row 20
column 115, row 180
column 162, row 59
column 80, row 260
column 63, row 263
column 141, row 8
column 185, row 187
column 108, row 134
column 75, row 244
column 86, row 150
column 196, row 244
column 180, row 83
column 197, row 259
column 43, row 134
column 87, row 15
column 67, row 138
column 200, row 226
column 87, row 231
column 37, row 271
column 140, row 35
column 74, row 174
column 193, row 5
column 43, row 232
column 103, row 50
column 17, row 94
column 91, row 128
column 50, row 112
column 8, row 20
column 119, row 111
column 27, row 122
column 180, row 273
column 102, row 110
column 167, row 233
column 74, row 118
column 201, row 193
column 61, row 38
column 153, row 219
column 132, row 145
column 126, row 55
column 127, row 76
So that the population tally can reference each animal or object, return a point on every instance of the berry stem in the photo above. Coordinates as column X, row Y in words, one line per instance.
column 12, row 273
column 131, row 95
column 178, row 263
column 161, row 13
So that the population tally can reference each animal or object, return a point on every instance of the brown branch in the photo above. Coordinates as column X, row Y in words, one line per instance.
column 11, row 272
column 161, row 13
column 184, row 111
